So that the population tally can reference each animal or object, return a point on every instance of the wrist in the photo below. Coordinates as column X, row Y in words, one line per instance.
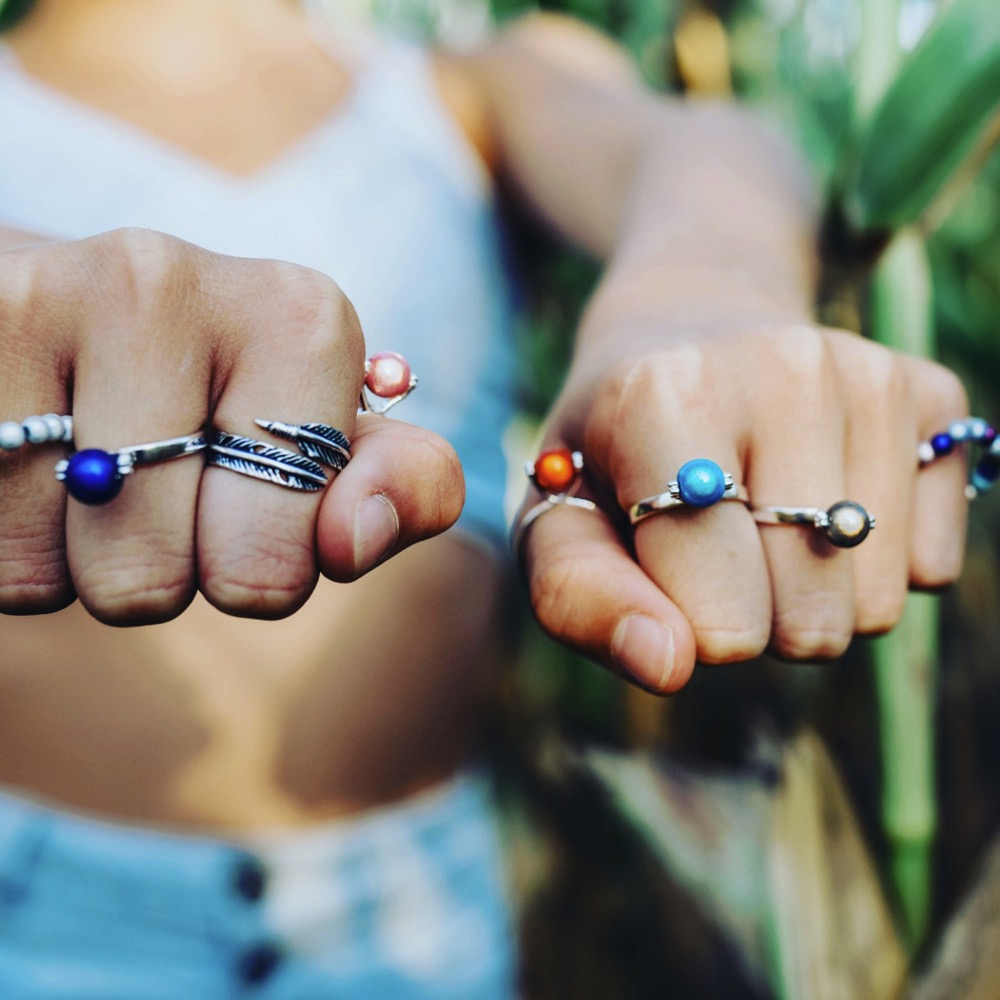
column 673, row 301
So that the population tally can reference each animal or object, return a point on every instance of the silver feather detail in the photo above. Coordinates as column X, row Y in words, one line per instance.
column 319, row 441
column 262, row 461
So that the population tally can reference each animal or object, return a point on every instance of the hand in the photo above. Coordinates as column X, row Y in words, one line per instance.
column 143, row 337
column 801, row 415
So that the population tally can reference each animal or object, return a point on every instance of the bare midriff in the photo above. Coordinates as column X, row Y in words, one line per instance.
column 215, row 723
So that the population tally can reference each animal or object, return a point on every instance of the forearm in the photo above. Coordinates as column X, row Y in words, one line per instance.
column 700, row 212
column 717, row 224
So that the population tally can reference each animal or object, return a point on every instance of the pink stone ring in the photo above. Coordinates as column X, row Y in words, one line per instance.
column 388, row 376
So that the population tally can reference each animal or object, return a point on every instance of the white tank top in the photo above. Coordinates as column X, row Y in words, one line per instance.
column 386, row 197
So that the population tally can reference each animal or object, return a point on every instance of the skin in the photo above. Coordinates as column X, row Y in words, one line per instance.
column 224, row 713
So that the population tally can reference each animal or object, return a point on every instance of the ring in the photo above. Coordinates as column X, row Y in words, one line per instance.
column 559, row 473
column 972, row 430
column 320, row 442
column 94, row 476
column 845, row 524
column 699, row 483
column 264, row 461
column 388, row 376
column 35, row 430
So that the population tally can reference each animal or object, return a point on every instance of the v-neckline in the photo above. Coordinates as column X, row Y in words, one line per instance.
column 152, row 144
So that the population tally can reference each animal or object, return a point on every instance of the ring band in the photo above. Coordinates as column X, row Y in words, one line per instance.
column 699, row 483
column 845, row 524
column 320, row 442
column 94, row 476
column 558, row 473
column 35, row 430
column 264, row 461
column 971, row 430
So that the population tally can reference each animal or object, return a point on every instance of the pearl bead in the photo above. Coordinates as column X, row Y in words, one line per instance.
column 12, row 435
column 958, row 430
column 54, row 426
column 700, row 482
column 978, row 429
column 92, row 476
column 554, row 470
column 36, row 430
column 849, row 524
column 925, row 452
column 388, row 374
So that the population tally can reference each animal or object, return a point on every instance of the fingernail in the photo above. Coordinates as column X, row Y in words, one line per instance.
column 644, row 648
column 376, row 527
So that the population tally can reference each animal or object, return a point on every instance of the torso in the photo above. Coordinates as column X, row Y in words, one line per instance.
column 209, row 722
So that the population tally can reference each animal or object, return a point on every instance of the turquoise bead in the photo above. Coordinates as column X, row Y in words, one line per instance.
column 701, row 482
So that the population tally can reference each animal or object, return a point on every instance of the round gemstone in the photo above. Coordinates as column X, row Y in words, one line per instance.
column 958, row 430
column 388, row 374
column 554, row 470
column 92, row 476
column 12, row 435
column 849, row 524
column 701, row 482
column 36, row 430
column 942, row 444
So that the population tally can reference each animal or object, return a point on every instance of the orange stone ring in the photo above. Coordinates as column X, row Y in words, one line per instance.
column 558, row 473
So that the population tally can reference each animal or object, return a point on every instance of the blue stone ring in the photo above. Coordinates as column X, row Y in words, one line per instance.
column 95, row 477
column 699, row 483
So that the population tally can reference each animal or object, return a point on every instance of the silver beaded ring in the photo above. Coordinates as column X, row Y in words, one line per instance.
column 47, row 429
column 985, row 473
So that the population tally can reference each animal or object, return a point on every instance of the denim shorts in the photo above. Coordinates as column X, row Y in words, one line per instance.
column 406, row 902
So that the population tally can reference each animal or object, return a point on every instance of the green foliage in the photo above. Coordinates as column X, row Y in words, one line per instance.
column 934, row 114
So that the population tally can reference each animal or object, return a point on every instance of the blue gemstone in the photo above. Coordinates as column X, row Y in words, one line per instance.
column 92, row 476
column 701, row 482
column 942, row 444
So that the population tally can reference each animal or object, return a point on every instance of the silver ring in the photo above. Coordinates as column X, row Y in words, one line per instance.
column 387, row 376
column 263, row 461
column 699, row 483
column 559, row 473
column 94, row 476
column 321, row 442
column 845, row 524
column 46, row 429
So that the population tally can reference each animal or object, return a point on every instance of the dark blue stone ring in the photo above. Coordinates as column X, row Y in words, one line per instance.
column 95, row 477
column 699, row 483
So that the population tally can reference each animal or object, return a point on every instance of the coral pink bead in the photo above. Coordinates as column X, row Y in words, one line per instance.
column 554, row 470
column 388, row 374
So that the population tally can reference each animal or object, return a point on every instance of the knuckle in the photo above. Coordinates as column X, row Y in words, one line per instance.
column 948, row 388
column 801, row 353
column 880, row 611
column 268, row 577
column 808, row 634
column 730, row 643
column 311, row 307
column 139, row 590
column 813, row 625
column 35, row 587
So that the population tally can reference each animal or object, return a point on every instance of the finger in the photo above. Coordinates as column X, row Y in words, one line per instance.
column 403, row 484
column 36, row 345
column 797, row 459
column 940, row 508
column 667, row 410
column 587, row 592
column 303, row 363
column 880, row 450
column 146, row 378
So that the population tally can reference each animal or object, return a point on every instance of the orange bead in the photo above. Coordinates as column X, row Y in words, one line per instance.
column 554, row 470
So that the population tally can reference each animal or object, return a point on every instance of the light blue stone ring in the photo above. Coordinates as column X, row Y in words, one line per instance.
column 699, row 483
